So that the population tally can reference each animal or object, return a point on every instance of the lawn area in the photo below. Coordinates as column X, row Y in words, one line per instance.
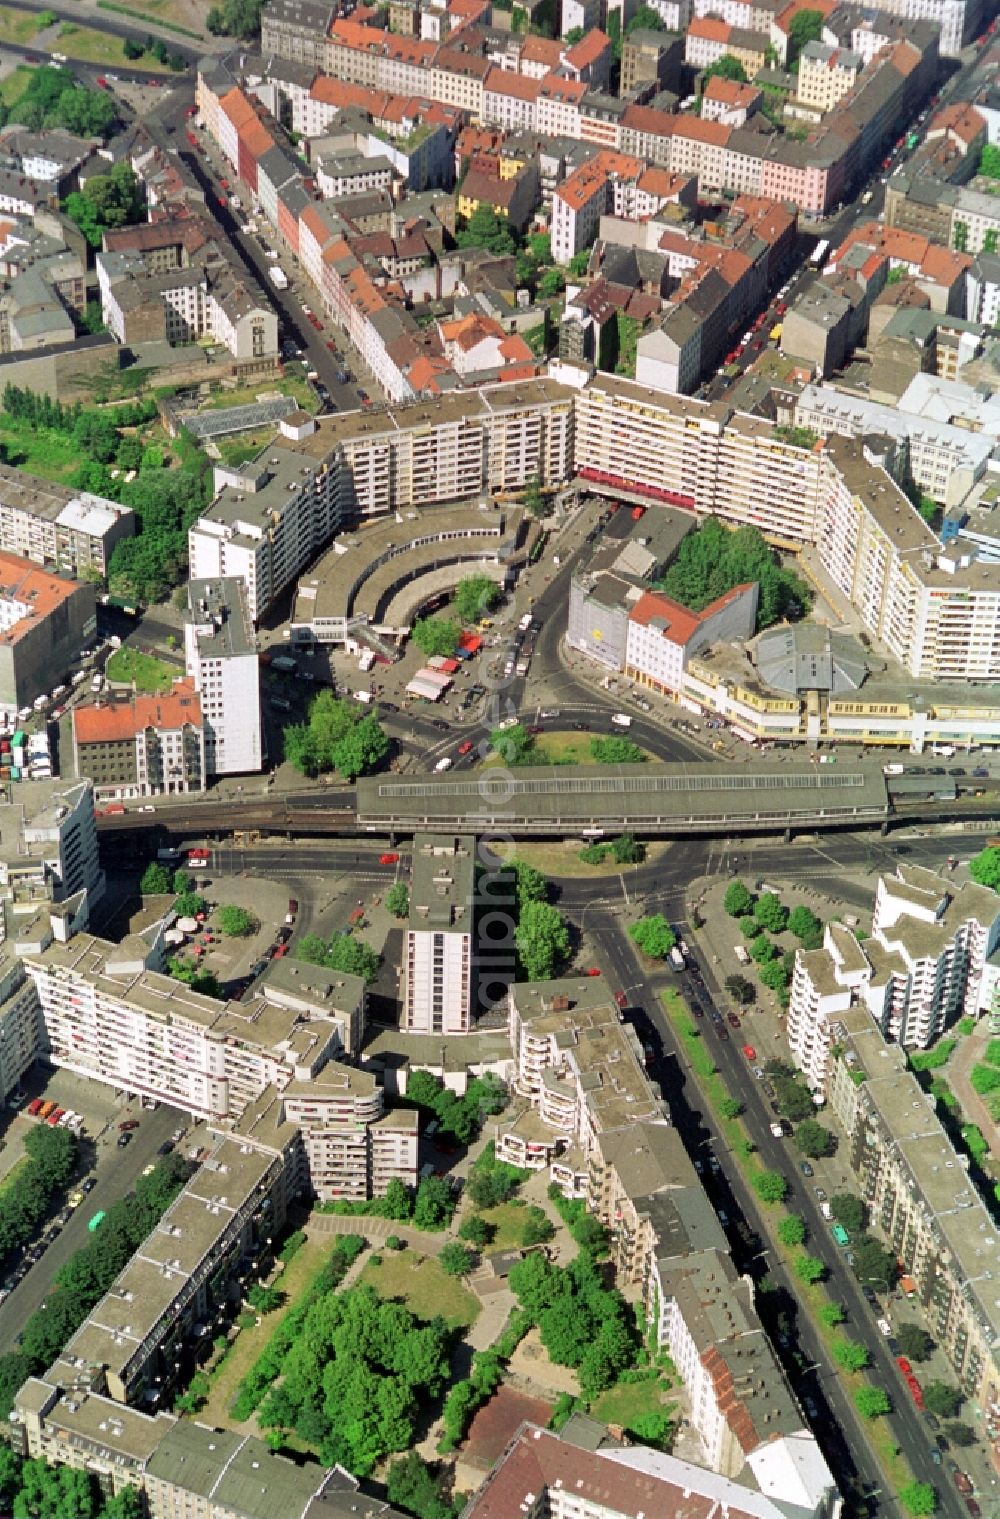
column 52, row 455
column 150, row 675
column 14, row 1175
column 170, row 15
column 426, row 1289
column 246, row 395
column 18, row 26
column 567, row 748
column 242, row 446
column 88, row 46
column 14, row 86
column 626, row 1401
column 250, row 1342
column 564, row 859
column 508, row 1221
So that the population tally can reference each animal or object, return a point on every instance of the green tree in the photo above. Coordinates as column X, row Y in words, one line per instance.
column 832, row 1314
column 515, row 746
column 850, row 1211
column 397, row 900
column 579, row 263
column 738, row 900
column 411, row 1485
column 535, row 500
column 918, row 1498
column 942, row 1399
column 537, row 1228
column 804, row 924
column 651, row 1427
column 551, row 284
column 531, row 884
column 914, row 1342
column 475, row 596
column 654, row 936
column 616, row 751
column 793, row 1099
column 873, row 1263
column 542, row 940
column 236, row 922
column 398, row 1202
column 155, row 880
column 770, row 1186
column 740, row 989
column 809, row 1269
column 792, row 1230
column 872, row 1402
column 762, row 950
column 487, row 228
column 715, row 559
column 984, row 867
column 107, row 200
column 730, row 1107
column 235, row 18
column 770, row 913
column 726, row 67
column 338, row 735
column 189, row 904
column 960, row 1434
column 806, row 26
column 455, row 1259
column 814, row 1140
column 181, row 882
column 850, row 1354
column 476, row 1230
column 436, row 635
column 352, row 957
column 645, row 20
column 265, row 1299
column 434, row 1203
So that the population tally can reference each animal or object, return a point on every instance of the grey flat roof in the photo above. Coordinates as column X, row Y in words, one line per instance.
column 550, row 798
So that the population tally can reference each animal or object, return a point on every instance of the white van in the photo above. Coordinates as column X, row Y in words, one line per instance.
column 443, row 764
column 621, row 720
column 943, row 751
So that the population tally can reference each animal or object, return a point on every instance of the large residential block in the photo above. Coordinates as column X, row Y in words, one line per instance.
column 924, row 965
column 58, row 527
column 220, row 655
column 922, row 1202
column 437, row 972
column 142, row 745
column 45, row 620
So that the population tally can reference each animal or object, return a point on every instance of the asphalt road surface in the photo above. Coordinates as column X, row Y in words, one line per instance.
column 116, row 1172
column 838, row 1426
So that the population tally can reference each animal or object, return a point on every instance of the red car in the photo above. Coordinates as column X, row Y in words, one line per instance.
column 221, row 199
column 904, row 1365
column 621, row 999
column 781, row 308
column 733, row 1021
column 192, row 110
column 388, row 859
column 102, row 81
column 466, row 747
column 224, row 183
column 331, row 345
column 592, row 970
column 750, row 1052
column 129, row 1125
column 281, row 950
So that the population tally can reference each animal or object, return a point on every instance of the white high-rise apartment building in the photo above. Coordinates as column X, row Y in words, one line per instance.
column 437, row 966
column 220, row 653
column 925, row 964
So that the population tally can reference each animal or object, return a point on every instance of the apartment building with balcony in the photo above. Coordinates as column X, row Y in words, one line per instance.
column 49, row 856
column 922, row 1202
column 581, row 1071
column 58, row 527
column 220, row 656
column 353, row 1147
column 936, row 942
column 142, row 745
column 825, row 983
column 111, row 1015
column 438, row 971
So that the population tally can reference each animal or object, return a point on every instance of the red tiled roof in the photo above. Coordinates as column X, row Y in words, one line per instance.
column 588, row 50
column 680, row 623
column 520, row 86
column 23, row 581
column 119, row 721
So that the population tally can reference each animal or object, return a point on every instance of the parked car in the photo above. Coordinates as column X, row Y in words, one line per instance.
column 750, row 1052
column 124, row 1139
column 806, row 1168
column 388, row 859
